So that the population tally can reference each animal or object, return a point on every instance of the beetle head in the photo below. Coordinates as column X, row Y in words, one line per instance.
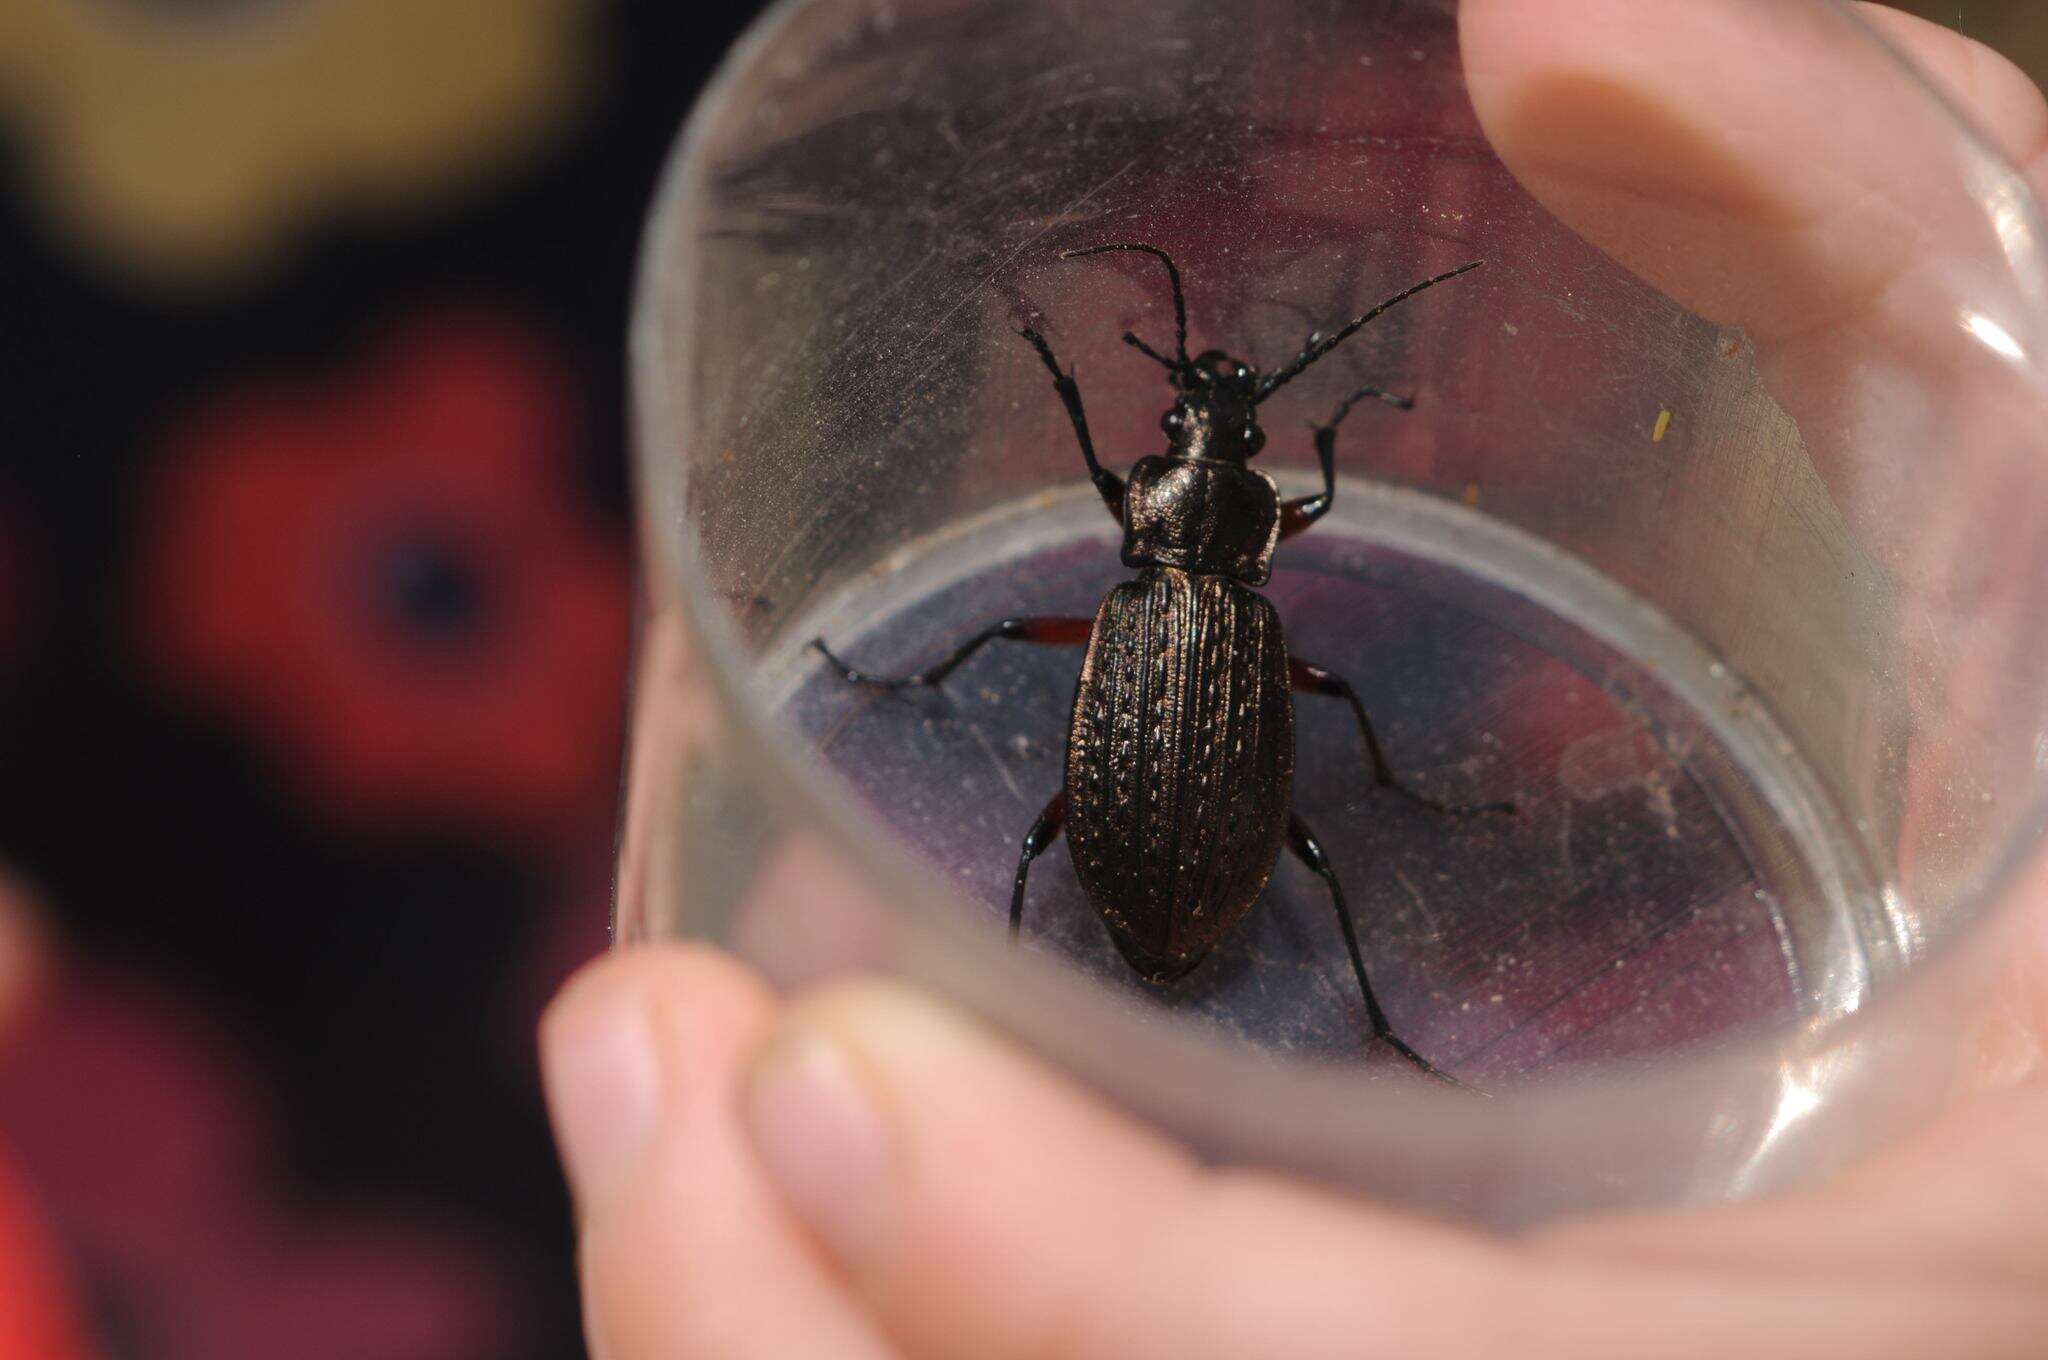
column 1215, row 415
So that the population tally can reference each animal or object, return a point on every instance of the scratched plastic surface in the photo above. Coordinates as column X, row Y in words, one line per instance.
column 1765, row 674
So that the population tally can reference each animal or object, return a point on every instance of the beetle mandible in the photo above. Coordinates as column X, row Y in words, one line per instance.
column 1180, row 761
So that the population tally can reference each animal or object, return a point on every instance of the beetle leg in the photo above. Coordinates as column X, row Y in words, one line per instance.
column 1305, row 846
column 1052, row 632
column 1042, row 834
column 1304, row 678
column 1107, row 483
column 1297, row 515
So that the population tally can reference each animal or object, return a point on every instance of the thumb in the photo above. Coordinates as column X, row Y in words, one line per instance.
column 682, row 1249
column 981, row 1206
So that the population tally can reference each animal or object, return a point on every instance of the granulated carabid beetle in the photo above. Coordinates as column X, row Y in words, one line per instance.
column 1180, row 761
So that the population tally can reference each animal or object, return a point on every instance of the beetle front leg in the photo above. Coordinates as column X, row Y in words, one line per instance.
column 1303, row 678
column 1298, row 515
column 1042, row 834
column 1306, row 848
column 1052, row 632
column 1107, row 483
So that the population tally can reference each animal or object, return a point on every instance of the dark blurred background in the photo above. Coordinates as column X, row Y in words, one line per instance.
column 315, row 590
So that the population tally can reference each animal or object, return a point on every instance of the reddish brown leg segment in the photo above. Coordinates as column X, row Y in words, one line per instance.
column 1053, row 632
column 1297, row 515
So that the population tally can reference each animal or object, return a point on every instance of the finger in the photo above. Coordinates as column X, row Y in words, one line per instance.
column 1791, row 193
column 1637, row 1305
column 1936, row 1247
column 685, row 1252
column 2001, row 99
column 2010, row 1044
column 984, row 1207
column 1948, row 1208
column 1970, row 1195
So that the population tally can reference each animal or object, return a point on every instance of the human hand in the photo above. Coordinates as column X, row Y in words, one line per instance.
column 863, row 1173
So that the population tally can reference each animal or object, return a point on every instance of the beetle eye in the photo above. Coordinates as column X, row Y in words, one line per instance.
column 1172, row 421
column 1254, row 439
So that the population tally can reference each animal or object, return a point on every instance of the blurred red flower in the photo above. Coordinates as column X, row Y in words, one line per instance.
column 391, row 576
column 36, row 1319
column 154, row 1149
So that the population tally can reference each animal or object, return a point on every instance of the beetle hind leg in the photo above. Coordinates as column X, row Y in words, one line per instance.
column 1304, row 678
column 1042, row 834
column 1310, row 851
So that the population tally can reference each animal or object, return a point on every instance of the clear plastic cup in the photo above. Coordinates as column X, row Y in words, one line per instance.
column 1766, row 685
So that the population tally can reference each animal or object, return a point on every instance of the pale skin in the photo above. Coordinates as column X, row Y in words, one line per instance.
column 863, row 1172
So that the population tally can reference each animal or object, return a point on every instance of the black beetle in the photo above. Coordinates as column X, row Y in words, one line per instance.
column 1180, row 762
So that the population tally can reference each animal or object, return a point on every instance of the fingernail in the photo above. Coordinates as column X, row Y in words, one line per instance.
column 603, row 1083
column 822, row 1138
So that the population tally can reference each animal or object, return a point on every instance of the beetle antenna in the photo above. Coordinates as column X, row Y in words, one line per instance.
column 1150, row 353
column 1180, row 302
column 1319, row 345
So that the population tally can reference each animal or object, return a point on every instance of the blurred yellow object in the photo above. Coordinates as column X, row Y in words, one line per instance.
column 185, row 143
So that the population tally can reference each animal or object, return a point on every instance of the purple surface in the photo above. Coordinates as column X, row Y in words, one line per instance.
column 1616, row 916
